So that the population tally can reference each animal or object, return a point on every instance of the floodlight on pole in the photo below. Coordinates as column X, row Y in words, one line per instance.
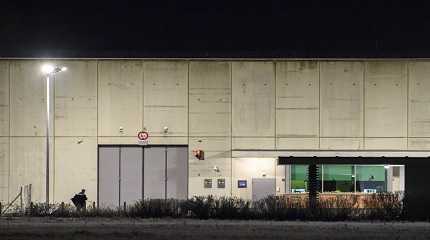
column 49, row 71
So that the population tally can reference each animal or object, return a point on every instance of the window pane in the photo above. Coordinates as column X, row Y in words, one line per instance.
column 371, row 179
column 338, row 178
column 299, row 178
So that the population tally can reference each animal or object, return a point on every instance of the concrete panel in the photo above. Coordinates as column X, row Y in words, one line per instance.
column 174, row 118
column 120, row 98
column 4, row 169
column 168, row 140
column 341, row 143
column 248, row 168
column 253, row 143
column 385, row 143
column 419, row 99
column 342, row 99
column 297, row 143
column 152, row 140
column 418, row 143
column 210, row 99
column 4, row 98
column 27, row 99
column 166, row 98
column 117, row 140
column 27, row 166
column 75, row 167
column 253, row 99
column 385, row 99
column 76, row 99
column 217, row 154
column 196, row 187
column 297, row 99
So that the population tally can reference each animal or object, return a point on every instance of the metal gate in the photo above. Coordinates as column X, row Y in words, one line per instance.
column 129, row 173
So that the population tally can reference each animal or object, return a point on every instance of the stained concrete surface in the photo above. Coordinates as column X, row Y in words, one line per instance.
column 4, row 98
column 336, row 105
column 385, row 99
column 166, row 98
column 35, row 228
column 120, row 98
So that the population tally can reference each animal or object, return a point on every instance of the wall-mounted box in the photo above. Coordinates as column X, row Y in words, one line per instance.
column 221, row 183
column 207, row 183
column 241, row 184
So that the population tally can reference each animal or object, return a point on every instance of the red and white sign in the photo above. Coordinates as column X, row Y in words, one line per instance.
column 143, row 137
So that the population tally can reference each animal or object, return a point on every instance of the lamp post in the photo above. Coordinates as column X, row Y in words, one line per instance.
column 49, row 71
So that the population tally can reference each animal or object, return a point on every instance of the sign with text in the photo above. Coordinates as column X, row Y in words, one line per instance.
column 143, row 137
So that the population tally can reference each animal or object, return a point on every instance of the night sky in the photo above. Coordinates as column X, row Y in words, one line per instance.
column 215, row 29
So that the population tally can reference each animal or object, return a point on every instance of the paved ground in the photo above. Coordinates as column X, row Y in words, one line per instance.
column 102, row 228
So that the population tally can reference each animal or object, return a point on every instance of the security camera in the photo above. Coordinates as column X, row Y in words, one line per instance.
column 216, row 169
column 165, row 129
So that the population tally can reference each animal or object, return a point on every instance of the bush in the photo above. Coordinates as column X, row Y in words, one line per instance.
column 200, row 206
column 381, row 206
column 156, row 208
column 338, row 208
column 231, row 208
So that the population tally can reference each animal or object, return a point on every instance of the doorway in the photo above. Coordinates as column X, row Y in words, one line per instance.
column 128, row 173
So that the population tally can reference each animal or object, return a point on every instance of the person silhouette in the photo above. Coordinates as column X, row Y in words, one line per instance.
column 79, row 200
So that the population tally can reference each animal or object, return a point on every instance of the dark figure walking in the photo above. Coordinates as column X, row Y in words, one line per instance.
column 79, row 200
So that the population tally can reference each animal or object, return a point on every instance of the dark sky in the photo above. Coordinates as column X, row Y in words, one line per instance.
column 367, row 28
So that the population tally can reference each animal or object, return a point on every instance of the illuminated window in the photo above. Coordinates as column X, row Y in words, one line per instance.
column 371, row 179
column 338, row 178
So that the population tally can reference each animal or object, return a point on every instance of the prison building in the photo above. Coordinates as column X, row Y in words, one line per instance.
column 215, row 126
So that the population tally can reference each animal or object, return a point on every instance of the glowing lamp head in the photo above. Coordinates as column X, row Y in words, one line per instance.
column 47, row 69
column 50, row 69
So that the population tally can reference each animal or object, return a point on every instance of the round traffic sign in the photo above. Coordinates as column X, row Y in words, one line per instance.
column 143, row 135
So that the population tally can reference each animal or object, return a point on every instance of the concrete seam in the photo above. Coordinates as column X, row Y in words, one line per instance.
column 407, row 105
column 276, row 96
column 188, row 130
column 98, row 103
column 364, row 105
column 319, row 105
column 143, row 95
column 97, row 130
column 53, row 141
column 231, row 128
column 9, row 130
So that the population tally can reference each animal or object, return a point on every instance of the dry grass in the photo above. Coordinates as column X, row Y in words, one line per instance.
column 382, row 206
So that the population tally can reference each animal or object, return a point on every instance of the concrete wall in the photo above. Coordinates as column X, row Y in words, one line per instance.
column 210, row 126
column 253, row 106
column 215, row 106
column 297, row 105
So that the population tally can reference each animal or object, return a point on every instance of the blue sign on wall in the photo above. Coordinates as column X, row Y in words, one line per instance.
column 241, row 183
